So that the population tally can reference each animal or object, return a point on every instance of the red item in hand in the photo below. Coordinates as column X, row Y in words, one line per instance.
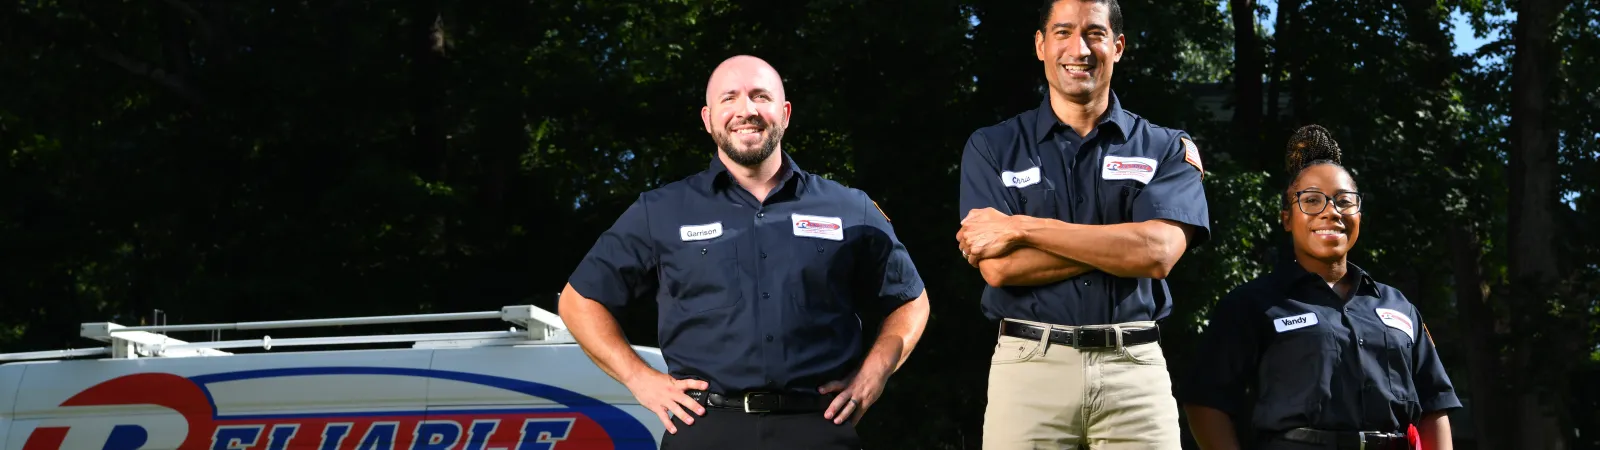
column 1413, row 438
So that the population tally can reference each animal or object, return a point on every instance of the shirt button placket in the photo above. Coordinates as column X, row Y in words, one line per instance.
column 770, row 356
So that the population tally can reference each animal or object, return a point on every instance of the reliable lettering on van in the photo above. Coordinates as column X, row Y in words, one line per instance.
column 530, row 389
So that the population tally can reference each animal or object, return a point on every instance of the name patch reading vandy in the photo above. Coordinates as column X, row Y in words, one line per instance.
column 1294, row 322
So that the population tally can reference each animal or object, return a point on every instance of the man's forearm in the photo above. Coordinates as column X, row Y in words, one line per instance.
column 600, row 337
column 1029, row 266
column 901, row 331
column 1138, row 249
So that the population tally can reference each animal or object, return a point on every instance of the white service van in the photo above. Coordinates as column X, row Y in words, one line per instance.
column 523, row 389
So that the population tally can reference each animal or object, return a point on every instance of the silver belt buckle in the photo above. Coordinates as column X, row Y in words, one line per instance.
column 1361, row 439
column 747, row 409
column 1105, row 333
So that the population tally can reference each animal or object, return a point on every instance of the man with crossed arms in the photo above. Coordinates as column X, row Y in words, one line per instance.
column 1074, row 213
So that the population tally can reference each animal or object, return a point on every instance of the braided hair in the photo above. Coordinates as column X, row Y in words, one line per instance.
column 1310, row 146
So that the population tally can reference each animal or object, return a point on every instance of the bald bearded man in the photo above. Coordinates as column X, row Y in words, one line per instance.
column 758, row 270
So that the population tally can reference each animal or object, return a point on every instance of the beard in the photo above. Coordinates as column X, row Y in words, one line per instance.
column 752, row 157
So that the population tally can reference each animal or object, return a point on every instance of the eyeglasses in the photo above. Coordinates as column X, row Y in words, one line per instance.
column 1315, row 202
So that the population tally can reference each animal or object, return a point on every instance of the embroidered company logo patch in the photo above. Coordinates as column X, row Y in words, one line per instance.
column 1294, row 322
column 1020, row 179
column 1397, row 320
column 821, row 227
column 1128, row 168
column 700, row 232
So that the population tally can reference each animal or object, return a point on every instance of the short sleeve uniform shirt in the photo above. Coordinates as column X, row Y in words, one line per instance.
column 1126, row 170
column 1291, row 352
column 753, row 296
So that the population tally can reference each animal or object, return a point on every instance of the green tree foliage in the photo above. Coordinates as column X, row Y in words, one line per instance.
column 254, row 160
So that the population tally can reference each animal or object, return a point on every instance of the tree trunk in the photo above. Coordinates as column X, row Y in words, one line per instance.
column 1532, row 220
column 1488, row 395
column 1283, row 41
column 1289, row 56
column 1299, row 90
column 428, row 39
column 1533, row 142
column 1007, row 71
column 1247, row 71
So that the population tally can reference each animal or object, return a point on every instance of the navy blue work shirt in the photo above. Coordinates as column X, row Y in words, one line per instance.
column 753, row 296
column 1126, row 170
column 1287, row 346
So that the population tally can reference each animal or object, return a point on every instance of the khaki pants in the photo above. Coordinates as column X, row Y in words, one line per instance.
column 1048, row 396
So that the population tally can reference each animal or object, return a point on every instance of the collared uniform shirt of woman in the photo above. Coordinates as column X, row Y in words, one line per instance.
column 1319, row 343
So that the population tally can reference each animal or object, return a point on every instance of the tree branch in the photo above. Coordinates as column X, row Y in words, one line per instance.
column 173, row 82
column 202, row 24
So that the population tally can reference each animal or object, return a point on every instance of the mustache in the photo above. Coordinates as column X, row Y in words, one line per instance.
column 752, row 120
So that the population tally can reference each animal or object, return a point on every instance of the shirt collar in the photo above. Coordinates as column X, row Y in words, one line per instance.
column 720, row 177
column 1288, row 275
column 1045, row 119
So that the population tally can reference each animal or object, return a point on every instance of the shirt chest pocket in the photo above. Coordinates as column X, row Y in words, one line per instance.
column 1116, row 199
column 1039, row 200
column 1398, row 363
column 702, row 275
column 1121, row 179
column 828, row 273
column 1296, row 363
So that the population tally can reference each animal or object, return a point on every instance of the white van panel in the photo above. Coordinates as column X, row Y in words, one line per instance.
column 563, row 366
column 10, row 380
column 45, row 386
column 554, row 390
column 332, row 394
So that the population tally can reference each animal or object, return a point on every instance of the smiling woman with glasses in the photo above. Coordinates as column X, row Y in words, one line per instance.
column 1318, row 354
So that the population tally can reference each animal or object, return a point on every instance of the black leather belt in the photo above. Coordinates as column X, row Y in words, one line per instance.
column 1354, row 440
column 764, row 402
column 1083, row 338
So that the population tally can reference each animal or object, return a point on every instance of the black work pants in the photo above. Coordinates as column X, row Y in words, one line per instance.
column 730, row 429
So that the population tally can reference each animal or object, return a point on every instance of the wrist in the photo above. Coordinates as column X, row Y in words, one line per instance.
column 635, row 374
column 882, row 360
column 874, row 374
column 1024, row 227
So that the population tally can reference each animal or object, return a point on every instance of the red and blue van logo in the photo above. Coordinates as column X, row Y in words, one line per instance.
column 571, row 422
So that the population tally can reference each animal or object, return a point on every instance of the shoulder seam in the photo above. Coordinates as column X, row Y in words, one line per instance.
column 649, row 230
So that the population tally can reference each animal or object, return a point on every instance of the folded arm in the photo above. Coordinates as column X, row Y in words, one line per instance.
column 1028, row 266
column 1146, row 249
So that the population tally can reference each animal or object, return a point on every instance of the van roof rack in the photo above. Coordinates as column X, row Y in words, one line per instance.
column 539, row 327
